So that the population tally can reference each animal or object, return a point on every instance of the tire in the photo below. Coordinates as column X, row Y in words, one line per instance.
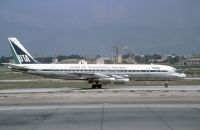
column 99, row 86
column 93, row 86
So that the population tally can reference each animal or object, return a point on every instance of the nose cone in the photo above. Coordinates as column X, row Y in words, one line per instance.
column 178, row 76
column 181, row 76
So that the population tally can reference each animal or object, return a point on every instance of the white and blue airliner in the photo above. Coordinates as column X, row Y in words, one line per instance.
column 96, row 74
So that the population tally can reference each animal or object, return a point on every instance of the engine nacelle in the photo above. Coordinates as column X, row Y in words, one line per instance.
column 106, row 80
column 113, row 80
column 121, row 80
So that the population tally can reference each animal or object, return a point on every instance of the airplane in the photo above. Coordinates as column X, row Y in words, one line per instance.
column 96, row 74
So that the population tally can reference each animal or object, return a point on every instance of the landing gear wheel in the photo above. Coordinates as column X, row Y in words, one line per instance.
column 99, row 85
column 93, row 86
column 166, row 85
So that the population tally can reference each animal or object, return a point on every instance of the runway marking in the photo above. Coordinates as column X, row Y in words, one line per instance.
column 109, row 116
column 147, row 89
column 6, row 108
column 105, row 106
column 46, row 116
column 160, row 118
column 102, row 116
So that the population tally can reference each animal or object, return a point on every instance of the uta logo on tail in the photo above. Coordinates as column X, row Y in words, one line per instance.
column 24, row 58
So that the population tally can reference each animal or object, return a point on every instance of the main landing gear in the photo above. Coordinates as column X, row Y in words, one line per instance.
column 97, row 85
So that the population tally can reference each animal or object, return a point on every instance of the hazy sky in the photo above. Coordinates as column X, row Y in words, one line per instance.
column 90, row 27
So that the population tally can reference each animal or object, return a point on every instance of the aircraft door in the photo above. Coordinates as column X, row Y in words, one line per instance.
column 148, row 74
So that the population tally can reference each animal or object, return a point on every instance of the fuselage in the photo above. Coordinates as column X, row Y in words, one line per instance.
column 86, row 71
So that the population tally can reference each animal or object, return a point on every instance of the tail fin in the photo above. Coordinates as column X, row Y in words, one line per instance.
column 20, row 54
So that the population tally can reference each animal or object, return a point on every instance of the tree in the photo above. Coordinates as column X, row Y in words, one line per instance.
column 4, row 59
column 156, row 56
column 173, row 59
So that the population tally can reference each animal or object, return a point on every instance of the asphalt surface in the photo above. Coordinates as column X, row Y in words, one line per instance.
column 128, row 108
column 121, row 89
column 131, row 94
column 101, row 117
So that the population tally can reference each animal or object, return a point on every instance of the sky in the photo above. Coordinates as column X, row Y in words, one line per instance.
column 93, row 27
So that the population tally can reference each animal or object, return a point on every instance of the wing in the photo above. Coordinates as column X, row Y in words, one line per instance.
column 102, row 77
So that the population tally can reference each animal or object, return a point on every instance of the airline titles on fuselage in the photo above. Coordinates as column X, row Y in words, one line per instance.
column 99, row 67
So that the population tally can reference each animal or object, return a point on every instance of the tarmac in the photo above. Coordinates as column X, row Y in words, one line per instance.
column 124, row 108
column 101, row 117
column 114, row 89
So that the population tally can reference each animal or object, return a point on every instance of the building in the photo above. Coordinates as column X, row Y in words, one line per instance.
column 82, row 62
column 55, row 60
column 129, row 60
column 192, row 61
column 100, row 60
column 117, row 59
column 69, row 61
column 91, row 60
column 103, row 60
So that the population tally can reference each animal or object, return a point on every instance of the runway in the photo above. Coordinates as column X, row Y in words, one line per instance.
column 26, row 80
column 134, row 95
column 126, row 108
column 121, row 89
column 101, row 117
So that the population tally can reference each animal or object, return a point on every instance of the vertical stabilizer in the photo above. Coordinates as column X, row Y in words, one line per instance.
column 19, row 53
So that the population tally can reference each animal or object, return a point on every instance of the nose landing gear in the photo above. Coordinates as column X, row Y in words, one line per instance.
column 166, row 84
column 96, row 86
